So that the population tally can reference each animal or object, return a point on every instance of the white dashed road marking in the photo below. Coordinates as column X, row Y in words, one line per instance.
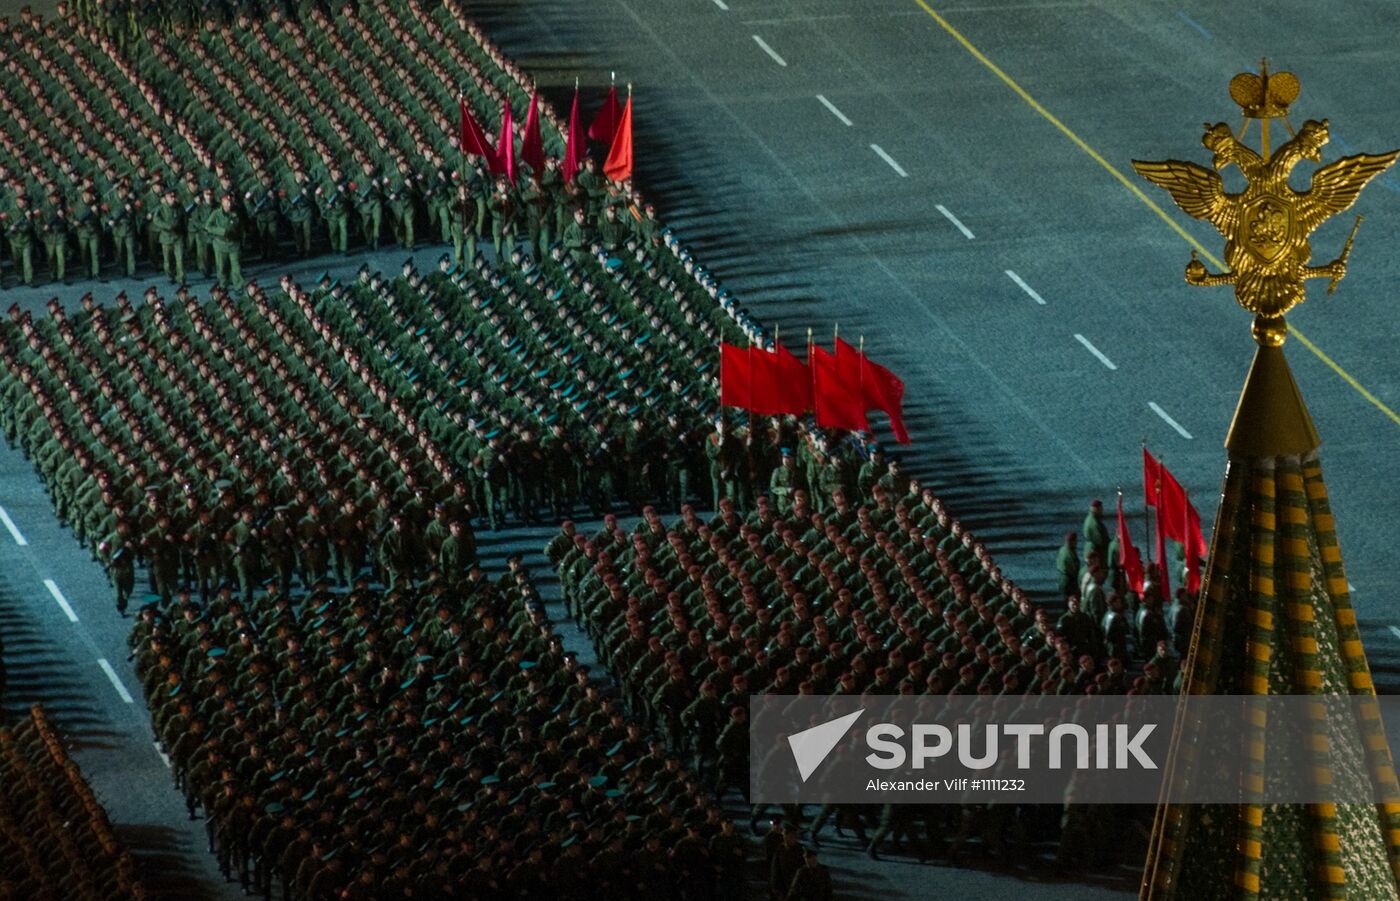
column 1168, row 420
column 1025, row 287
column 834, row 111
column 52, row 586
column 116, row 683
column 880, row 152
column 14, row 529
column 1088, row 345
column 770, row 51
column 947, row 214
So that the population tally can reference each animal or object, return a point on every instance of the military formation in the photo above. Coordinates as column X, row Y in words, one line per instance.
column 432, row 740
column 56, row 843
column 877, row 589
column 118, row 145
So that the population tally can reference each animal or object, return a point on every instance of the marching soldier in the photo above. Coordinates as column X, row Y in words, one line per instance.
column 225, row 229
column 168, row 224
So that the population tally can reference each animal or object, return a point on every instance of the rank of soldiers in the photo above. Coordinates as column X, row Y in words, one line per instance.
column 871, row 587
column 316, row 131
column 56, row 842
column 427, row 741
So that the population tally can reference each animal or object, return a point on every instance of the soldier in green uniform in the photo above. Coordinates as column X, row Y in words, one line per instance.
column 401, row 201
column 21, row 228
column 438, row 197
column 261, row 207
column 225, row 229
column 1095, row 532
column 503, row 207
column 117, row 554
column 612, row 232
column 87, row 227
column 298, row 204
column 168, row 224
column 535, row 204
column 205, row 205
column 334, row 197
column 369, row 203
column 56, row 228
column 725, row 453
column 577, row 237
column 121, row 222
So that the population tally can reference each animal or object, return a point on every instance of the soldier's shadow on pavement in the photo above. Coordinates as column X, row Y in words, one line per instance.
column 158, row 852
column 38, row 671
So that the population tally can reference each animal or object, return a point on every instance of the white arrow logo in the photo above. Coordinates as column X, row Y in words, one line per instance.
column 810, row 746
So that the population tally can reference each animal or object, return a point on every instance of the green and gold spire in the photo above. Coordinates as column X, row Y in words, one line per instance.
column 1275, row 616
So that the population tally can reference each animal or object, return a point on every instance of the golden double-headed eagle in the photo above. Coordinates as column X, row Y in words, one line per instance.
column 1266, row 226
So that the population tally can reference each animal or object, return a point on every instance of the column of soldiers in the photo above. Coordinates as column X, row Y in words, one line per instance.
column 56, row 842
column 525, row 439
column 429, row 740
column 309, row 129
column 878, row 590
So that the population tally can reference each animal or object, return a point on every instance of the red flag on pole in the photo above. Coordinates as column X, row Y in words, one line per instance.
column 473, row 139
column 1152, row 493
column 836, row 393
column 604, row 125
column 1177, row 518
column 532, row 144
column 1128, row 558
column 1195, row 549
column 781, row 383
column 505, row 144
column 880, row 388
column 577, row 144
column 619, row 162
column 735, row 376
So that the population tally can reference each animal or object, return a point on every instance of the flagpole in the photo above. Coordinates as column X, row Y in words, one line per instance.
column 462, row 172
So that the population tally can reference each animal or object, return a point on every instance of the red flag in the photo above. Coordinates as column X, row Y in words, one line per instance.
column 473, row 139
column 532, row 144
column 604, row 125
column 781, row 383
column 836, row 392
column 506, row 143
column 1195, row 549
column 1152, row 471
column 1177, row 518
column 880, row 388
column 735, row 376
column 619, row 162
column 1128, row 558
column 577, row 144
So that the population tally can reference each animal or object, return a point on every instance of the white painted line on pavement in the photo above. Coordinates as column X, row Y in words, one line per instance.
column 52, row 586
column 116, row 683
column 770, row 51
column 14, row 529
column 1351, row 588
column 967, row 232
column 1088, row 345
column 1169, row 421
column 880, row 152
column 1025, row 287
column 163, row 756
column 1395, row 630
column 722, row 5
column 834, row 111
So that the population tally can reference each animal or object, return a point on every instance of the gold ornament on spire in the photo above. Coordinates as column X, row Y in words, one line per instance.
column 1266, row 226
